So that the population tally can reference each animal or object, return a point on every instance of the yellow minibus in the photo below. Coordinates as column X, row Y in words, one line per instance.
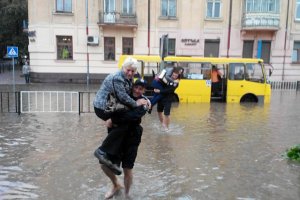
column 240, row 79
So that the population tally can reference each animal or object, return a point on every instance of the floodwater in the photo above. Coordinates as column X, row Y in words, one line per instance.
column 212, row 151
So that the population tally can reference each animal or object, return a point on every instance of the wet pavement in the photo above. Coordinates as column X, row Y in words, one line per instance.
column 6, row 84
column 6, row 76
column 212, row 151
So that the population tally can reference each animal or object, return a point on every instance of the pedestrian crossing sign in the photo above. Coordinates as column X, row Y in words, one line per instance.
column 12, row 52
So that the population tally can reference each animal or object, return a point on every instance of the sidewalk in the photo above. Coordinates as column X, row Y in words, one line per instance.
column 6, row 77
column 6, row 84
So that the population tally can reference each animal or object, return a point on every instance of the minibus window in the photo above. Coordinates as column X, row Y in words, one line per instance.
column 236, row 71
column 254, row 72
column 196, row 71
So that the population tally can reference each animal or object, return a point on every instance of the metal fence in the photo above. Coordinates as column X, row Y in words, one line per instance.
column 86, row 102
column 74, row 102
column 285, row 85
column 9, row 102
column 49, row 101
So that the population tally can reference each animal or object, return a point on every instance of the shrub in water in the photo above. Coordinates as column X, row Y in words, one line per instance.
column 294, row 153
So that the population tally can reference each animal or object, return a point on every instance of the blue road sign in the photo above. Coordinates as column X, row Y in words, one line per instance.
column 12, row 52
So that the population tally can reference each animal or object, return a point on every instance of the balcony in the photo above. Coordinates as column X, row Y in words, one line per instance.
column 117, row 19
column 261, row 21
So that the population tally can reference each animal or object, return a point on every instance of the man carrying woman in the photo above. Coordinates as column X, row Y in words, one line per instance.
column 119, row 83
column 124, row 131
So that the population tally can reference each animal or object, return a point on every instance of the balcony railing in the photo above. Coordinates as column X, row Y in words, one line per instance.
column 116, row 18
column 262, row 21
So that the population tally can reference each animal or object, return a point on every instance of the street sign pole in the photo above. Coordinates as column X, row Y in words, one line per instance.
column 12, row 52
column 14, row 83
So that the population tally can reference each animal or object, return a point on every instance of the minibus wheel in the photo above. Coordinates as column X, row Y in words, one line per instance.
column 249, row 98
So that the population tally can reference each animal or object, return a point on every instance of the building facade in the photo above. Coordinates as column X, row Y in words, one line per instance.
column 72, row 41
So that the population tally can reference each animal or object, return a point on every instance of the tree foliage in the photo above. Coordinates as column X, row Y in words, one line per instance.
column 12, row 13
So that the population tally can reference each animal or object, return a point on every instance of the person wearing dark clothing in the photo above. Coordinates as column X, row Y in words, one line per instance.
column 164, row 104
column 162, row 79
column 127, row 137
column 215, row 81
column 119, row 83
column 121, row 123
column 26, row 71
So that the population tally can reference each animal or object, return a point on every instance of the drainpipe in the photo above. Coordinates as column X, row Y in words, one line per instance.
column 87, row 47
column 285, row 38
column 229, row 28
column 148, row 27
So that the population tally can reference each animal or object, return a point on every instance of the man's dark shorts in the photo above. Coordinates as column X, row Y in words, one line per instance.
column 130, row 147
column 164, row 106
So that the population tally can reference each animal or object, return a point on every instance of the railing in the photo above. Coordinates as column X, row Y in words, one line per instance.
column 117, row 18
column 261, row 20
column 86, row 102
column 10, row 102
column 74, row 102
column 285, row 85
column 49, row 101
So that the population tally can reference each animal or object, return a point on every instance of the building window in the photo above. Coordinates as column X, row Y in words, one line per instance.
column 171, row 47
column 248, row 49
column 109, row 48
column 127, row 7
column 298, row 10
column 109, row 11
column 296, row 52
column 211, row 48
column 270, row 6
column 109, row 6
column 266, row 51
column 63, row 5
column 213, row 9
column 127, row 46
column 64, row 47
column 168, row 8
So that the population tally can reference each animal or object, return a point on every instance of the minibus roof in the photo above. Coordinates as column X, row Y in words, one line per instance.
column 211, row 59
column 144, row 58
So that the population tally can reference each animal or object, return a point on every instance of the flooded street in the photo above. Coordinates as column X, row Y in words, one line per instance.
column 212, row 151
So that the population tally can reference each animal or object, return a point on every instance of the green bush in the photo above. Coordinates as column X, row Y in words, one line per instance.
column 294, row 153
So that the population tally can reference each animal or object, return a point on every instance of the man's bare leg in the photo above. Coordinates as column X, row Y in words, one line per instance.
column 116, row 185
column 127, row 180
column 160, row 116
column 166, row 121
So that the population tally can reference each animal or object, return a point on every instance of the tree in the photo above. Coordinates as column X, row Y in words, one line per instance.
column 12, row 13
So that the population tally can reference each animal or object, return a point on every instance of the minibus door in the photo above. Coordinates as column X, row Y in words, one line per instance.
column 235, row 82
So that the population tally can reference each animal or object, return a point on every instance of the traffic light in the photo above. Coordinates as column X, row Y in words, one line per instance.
column 164, row 43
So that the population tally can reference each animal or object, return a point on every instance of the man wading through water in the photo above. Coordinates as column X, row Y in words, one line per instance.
column 121, row 84
column 129, row 127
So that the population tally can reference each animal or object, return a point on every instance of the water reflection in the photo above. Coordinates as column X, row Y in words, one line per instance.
column 212, row 151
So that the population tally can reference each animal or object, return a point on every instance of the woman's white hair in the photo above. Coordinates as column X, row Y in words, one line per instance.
column 130, row 62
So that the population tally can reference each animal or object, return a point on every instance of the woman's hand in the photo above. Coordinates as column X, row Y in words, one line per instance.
column 140, row 102
column 157, row 90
